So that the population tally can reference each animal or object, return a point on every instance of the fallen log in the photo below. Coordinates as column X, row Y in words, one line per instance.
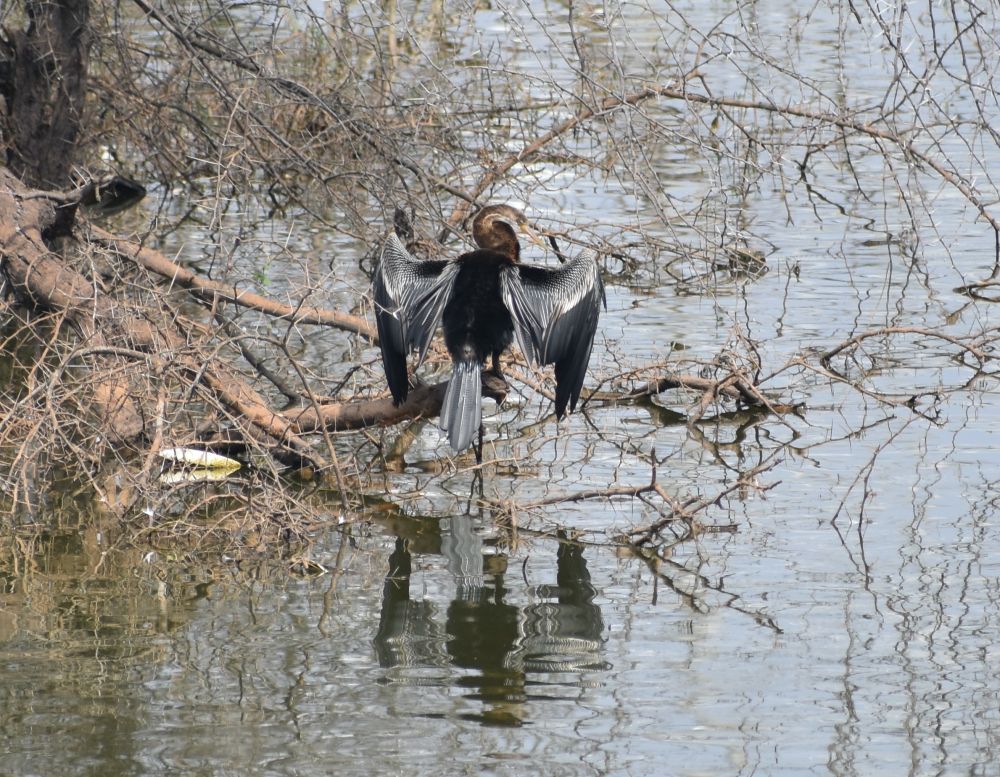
column 121, row 402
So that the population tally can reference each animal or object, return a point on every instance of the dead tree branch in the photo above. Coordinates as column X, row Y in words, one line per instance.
column 213, row 291
column 41, row 278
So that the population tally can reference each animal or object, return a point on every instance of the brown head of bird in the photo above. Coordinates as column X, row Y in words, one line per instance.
column 495, row 228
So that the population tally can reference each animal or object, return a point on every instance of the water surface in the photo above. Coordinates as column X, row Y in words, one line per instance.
column 835, row 614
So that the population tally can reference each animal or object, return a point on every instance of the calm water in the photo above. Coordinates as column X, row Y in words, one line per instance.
column 841, row 619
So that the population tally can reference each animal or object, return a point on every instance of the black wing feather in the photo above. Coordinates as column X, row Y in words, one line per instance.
column 410, row 296
column 555, row 314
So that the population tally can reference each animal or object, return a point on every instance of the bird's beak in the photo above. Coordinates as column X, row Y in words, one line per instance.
column 532, row 235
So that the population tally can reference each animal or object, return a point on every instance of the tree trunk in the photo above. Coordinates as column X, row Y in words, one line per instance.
column 43, row 72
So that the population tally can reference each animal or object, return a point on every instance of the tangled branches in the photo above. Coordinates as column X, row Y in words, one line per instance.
column 222, row 323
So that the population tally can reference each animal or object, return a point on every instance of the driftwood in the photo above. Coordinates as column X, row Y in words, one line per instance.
column 41, row 278
column 38, row 276
column 149, row 338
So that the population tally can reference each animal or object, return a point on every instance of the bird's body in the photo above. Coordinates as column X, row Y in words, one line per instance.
column 484, row 300
column 475, row 317
column 476, row 325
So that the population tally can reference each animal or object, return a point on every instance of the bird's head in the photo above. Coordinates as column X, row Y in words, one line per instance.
column 495, row 228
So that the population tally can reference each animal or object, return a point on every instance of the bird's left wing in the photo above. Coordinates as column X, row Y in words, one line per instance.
column 555, row 314
column 410, row 296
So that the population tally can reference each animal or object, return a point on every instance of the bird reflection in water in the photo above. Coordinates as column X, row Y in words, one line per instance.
column 502, row 644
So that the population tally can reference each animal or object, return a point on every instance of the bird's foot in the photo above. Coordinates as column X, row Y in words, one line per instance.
column 495, row 386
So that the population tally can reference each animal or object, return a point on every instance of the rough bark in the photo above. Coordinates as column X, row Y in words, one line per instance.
column 43, row 71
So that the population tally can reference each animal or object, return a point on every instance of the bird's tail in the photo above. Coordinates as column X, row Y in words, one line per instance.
column 462, row 410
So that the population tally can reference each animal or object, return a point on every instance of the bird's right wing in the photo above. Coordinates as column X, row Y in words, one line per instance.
column 555, row 315
column 410, row 296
